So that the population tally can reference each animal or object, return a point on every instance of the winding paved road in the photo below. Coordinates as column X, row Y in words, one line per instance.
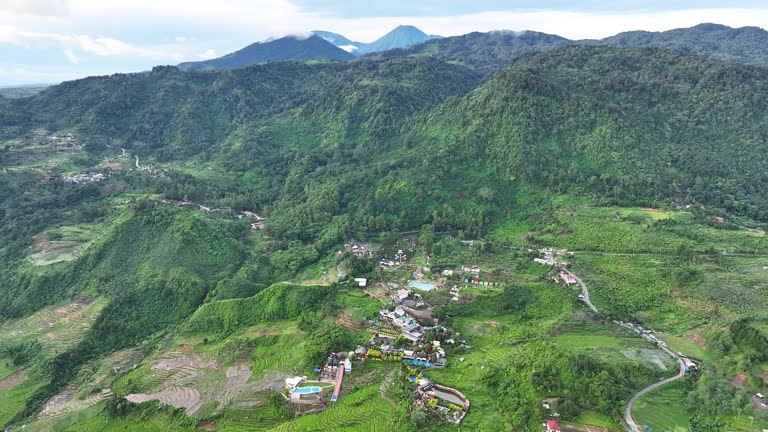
column 628, row 411
column 584, row 291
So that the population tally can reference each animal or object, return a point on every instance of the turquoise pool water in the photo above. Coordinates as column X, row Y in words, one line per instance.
column 424, row 286
column 419, row 363
column 307, row 390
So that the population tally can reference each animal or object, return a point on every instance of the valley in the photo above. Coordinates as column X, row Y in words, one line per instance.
column 560, row 239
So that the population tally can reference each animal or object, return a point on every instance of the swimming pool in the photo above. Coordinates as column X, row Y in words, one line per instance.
column 307, row 390
column 424, row 286
column 419, row 363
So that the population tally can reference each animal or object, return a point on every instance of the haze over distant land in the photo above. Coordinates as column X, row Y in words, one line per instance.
column 55, row 40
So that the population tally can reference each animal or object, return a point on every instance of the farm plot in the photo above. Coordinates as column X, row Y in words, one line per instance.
column 61, row 244
column 57, row 328
column 12, row 381
column 612, row 342
column 103, row 373
column 363, row 409
column 236, row 378
column 664, row 410
column 177, row 397
column 199, row 386
column 14, row 399
column 67, row 402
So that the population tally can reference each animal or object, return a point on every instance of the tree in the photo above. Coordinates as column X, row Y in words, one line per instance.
column 418, row 418
column 426, row 238
column 486, row 193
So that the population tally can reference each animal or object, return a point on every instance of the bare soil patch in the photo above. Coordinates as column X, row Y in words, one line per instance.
column 205, row 425
column 12, row 381
column 112, row 166
column 739, row 380
column 177, row 397
column 179, row 363
column 696, row 337
column 67, row 402
column 347, row 322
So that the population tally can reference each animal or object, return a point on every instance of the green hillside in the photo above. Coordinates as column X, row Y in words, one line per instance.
column 174, row 245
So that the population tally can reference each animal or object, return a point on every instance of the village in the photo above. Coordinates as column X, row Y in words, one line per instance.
column 404, row 332
column 398, row 338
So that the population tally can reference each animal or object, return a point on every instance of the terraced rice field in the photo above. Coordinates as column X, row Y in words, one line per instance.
column 111, row 367
column 12, row 381
column 199, row 386
column 236, row 378
column 345, row 320
column 177, row 397
column 260, row 418
column 663, row 410
column 70, row 242
column 279, row 356
column 57, row 328
column 362, row 410
column 13, row 400
column 142, row 377
column 66, row 402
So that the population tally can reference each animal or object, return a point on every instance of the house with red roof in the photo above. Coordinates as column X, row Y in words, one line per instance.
column 553, row 426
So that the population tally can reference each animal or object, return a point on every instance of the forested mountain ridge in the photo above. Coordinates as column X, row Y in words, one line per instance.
column 173, row 110
column 172, row 206
column 287, row 48
column 487, row 52
column 631, row 124
column 493, row 50
column 746, row 45
column 642, row 124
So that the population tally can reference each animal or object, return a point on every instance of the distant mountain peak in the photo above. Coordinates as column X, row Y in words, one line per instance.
column 407, row 27
column 286, row 48
column 400, row 37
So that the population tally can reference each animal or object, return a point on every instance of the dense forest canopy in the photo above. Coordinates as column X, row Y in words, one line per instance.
column 457, row 153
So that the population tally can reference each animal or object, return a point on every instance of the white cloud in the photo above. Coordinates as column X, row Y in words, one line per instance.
column 574, row 25
column 348, row 48
column 138, row 30
column 207, row 54
column 35, row 7
column 71, row 56
column 100, row 46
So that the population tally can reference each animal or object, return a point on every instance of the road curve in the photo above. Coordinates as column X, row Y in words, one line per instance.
column 628, row 412
column 584, row 291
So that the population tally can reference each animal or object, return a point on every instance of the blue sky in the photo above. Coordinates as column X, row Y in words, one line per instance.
column 45, row 41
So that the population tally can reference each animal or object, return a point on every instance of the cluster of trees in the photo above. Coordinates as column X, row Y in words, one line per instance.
column 279, row 301
column 513, row 299
column 714, row 400
column 324, row 339
column 753, row 343
column 584, row 382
